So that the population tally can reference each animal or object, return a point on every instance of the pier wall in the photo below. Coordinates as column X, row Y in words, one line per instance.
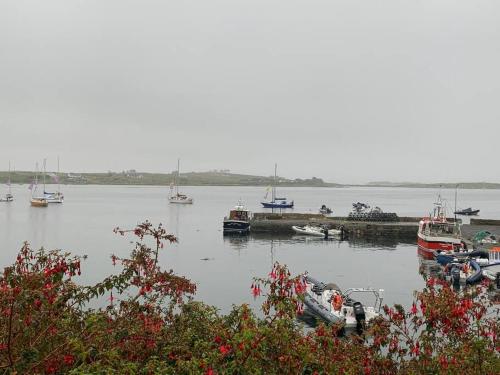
column 276, row 223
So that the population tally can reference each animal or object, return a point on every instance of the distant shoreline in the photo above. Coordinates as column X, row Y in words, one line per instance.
column 133, row 178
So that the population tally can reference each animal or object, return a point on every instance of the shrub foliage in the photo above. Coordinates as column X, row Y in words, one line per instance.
column 151, row 324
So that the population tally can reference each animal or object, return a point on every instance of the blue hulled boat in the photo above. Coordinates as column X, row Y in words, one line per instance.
column 276, row 202
column 238, row 221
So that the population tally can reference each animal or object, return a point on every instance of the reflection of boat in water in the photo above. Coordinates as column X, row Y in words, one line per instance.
column 436, row 233
column 334, row 306
column 238, row 221
column 429, row 268
column 467, row 212
column 317, row 231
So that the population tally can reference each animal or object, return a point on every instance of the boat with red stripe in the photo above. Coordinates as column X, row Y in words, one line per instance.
column 436, row 234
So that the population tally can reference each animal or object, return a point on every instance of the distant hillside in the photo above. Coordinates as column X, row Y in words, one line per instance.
column 133, row 177
column 437, row 185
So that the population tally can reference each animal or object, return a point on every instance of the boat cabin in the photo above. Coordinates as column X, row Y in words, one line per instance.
column 239, row 214
column 438, row 228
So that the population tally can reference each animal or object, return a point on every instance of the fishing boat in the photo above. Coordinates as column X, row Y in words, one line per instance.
column 332, row 305
column 467, row 212
column 238, row 220
column 276, row 202
column 58, row 196
column 175, row 196
column 8, row 196
column 317, row 231
column 437, row 234
column 37, row 201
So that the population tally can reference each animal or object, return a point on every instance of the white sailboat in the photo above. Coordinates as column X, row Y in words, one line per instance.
column 58, row 196
column 37, row 201
column 175, row 196
column 8, row 196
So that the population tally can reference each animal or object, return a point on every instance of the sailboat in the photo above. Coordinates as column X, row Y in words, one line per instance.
column 37, row 201
column 175, row 196
column 276, row 202
column 8, row 196
column 56, row 197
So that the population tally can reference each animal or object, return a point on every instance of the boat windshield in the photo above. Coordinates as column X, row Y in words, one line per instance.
column 440, row 229
column 238, row 215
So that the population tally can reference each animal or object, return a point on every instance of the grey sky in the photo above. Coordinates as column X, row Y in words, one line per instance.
column 351, row 91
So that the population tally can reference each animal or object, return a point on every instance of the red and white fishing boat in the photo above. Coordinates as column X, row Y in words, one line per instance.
column 437, row 234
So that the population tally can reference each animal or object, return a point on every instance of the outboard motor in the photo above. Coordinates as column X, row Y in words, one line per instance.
column 455, row 276
column 359, row 314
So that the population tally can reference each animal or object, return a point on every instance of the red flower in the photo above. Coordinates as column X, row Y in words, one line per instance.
column 69, row 359
column 38, row 303
column 224, row 349
column 413, row 309
column 256, row 291
column 217, row 340
column 209, row 372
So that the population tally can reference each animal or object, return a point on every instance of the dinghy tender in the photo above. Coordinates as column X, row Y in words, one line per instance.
column 332, row 305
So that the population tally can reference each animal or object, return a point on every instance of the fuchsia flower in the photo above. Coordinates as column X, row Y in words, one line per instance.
column 413, row 309
column 224, row 349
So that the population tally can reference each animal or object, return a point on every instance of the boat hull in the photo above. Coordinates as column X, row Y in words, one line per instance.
column 276, row 205
column 180, row 201
column 427, row 247
column 236, row 227
column 39, row 203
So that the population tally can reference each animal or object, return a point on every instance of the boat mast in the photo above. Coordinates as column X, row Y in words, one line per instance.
column 10, row 188
column 178, row 177
column 58, row 181
column 44, row 162
column 456, row 188
column 33, row 188
column 273, row 198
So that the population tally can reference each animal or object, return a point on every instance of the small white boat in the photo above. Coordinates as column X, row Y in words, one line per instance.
column 56, row 197
column 37, row 201
column 175, row 196
column 311, row 230
column 334, row 306
column 8, row 196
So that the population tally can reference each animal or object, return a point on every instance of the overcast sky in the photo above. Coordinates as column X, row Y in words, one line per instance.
column 350, row 91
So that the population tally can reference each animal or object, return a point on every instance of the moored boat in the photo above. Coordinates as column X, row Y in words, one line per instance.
column 467, row 212
column 276, row 202
column 238, row 220
column 317, row 231
column 58, row 196
column 37, row 201
column 437, row 234
column 175, row 196
column 8, row 196
column 325, row 210
column 332, row 305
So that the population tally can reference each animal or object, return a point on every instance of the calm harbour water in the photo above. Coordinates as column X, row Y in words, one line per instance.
column 84, row 223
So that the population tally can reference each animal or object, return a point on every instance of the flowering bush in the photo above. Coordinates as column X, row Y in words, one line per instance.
column 151, row 325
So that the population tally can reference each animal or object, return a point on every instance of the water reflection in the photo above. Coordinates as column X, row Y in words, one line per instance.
column 239, row 242
column 236, row 242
